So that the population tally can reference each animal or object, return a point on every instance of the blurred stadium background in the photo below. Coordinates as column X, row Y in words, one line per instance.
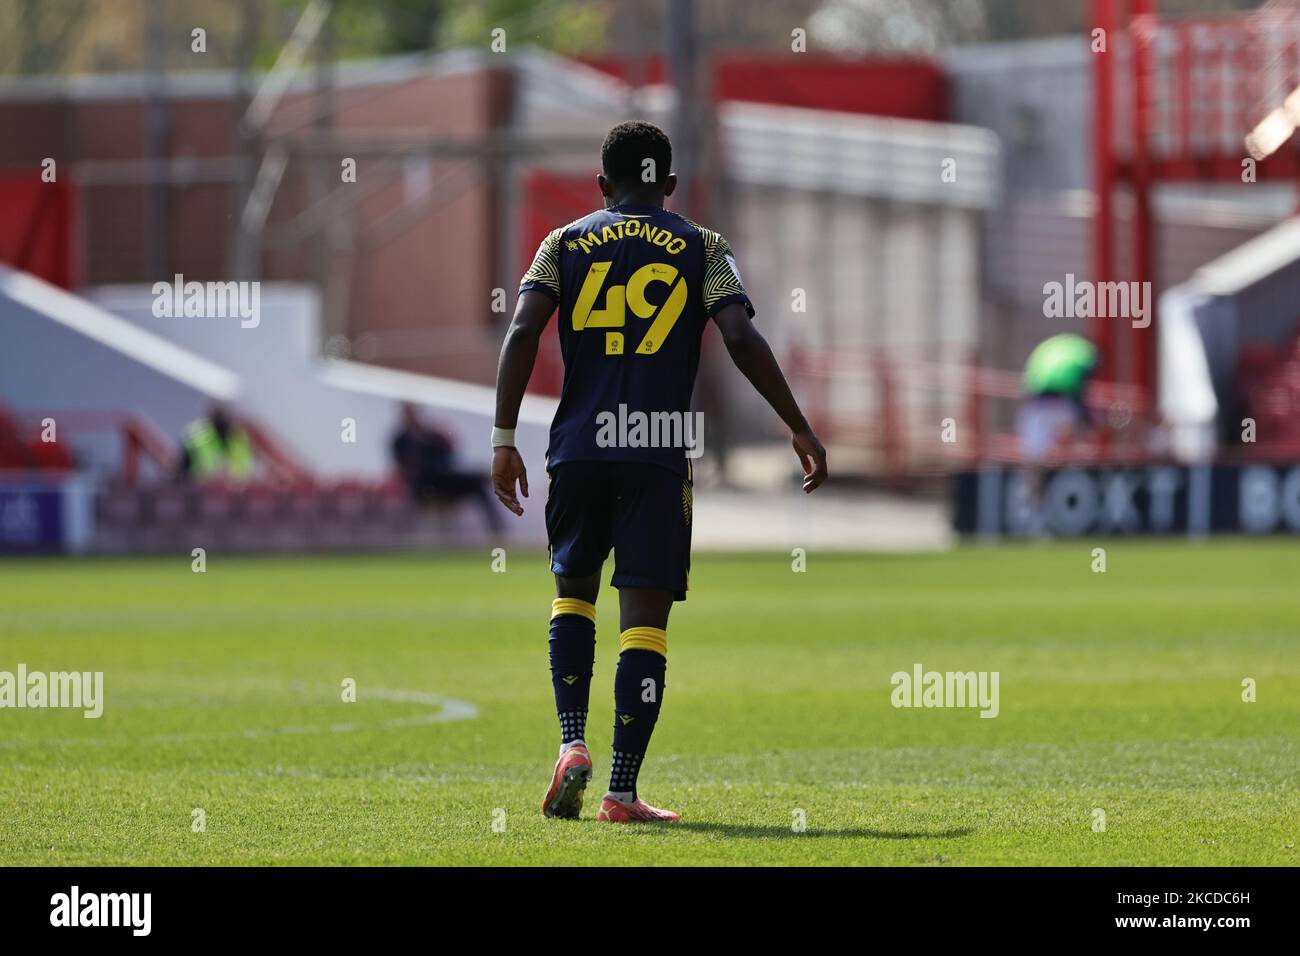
column 900, row 179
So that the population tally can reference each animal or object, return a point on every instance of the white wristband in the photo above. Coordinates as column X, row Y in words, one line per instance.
column 503, row 437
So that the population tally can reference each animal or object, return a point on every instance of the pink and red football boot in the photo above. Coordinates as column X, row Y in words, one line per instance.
column 572, row 772
column 638, row 811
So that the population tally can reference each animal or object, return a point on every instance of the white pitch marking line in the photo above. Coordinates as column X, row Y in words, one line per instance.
column 449, row 710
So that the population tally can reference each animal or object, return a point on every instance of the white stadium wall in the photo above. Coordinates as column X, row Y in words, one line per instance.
column 62, row 354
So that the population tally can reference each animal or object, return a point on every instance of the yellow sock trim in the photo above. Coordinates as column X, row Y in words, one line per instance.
column 645, row 639
column 573, row 606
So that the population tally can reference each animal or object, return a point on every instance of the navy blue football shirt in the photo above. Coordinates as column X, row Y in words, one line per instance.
column 634, row 288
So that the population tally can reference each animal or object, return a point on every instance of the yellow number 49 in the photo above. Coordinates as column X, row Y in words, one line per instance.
column 618, row 299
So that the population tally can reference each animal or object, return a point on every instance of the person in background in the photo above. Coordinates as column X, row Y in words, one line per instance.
column 425, row 457
column 216, row 447
column 1053, row 410
column 1056, row 375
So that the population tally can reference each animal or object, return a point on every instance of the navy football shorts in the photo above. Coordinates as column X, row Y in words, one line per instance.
column 642, row 511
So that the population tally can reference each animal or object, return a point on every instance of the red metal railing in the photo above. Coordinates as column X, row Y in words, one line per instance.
column 1197, row 85
column 143, row 442
column 1173, row 100
column 906, row 400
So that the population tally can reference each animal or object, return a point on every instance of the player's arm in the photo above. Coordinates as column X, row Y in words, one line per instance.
column 515, row 367
column 753, row 356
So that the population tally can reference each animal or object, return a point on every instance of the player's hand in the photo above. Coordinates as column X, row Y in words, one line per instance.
column 507, row 468
column 813, row 458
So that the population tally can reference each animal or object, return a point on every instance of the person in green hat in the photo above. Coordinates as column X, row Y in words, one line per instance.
column 1056, row 376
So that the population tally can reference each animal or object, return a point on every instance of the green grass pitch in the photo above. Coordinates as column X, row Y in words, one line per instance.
column 1119, row 691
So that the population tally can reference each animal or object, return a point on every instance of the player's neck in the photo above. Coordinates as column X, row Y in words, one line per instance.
column 644, row 200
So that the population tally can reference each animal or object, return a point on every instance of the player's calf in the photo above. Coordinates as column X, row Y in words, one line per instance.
column 573, row 654
column 638, row 697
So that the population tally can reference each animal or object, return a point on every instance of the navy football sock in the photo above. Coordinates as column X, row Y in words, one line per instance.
column 638, row 695
column 573, row 653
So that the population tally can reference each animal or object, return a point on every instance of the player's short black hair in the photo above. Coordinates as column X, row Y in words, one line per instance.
column 629, row 145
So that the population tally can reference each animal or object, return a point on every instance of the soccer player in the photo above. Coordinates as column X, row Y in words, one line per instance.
column 635, row 285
